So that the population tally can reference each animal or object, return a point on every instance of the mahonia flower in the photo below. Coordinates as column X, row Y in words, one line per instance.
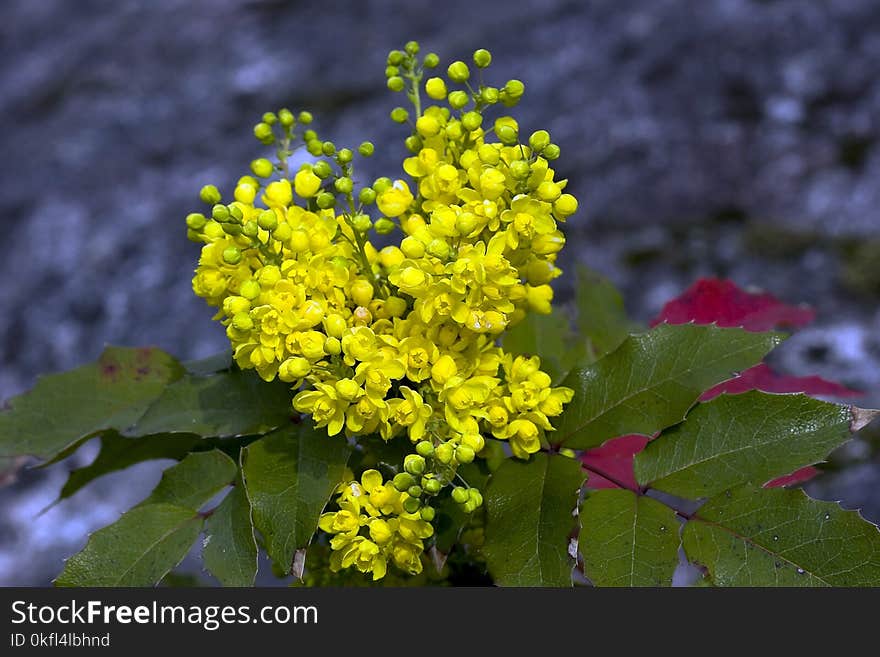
column 402, row 340
column 372, row 528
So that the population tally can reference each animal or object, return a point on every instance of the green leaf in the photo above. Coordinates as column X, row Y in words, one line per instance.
column 230, row 548
column 546, row 336
column 136, row 550
column 289, row 476
column 195, row 480
column 224, row 404
column 64, row 409
column 779, row 537
column 149, row 540
column 529, row 506
column 748, row 438
column 628, row 539
column 602, row 318
column 210, row 364
column 118, row 452
column 652, row 379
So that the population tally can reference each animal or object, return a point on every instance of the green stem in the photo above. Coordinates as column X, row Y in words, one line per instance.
column 414, row 96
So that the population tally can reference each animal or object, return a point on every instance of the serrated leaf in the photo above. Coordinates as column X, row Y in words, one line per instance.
column 64, row 409
column 759, row 537
column 545, row 336
column 118, row 452
column 628, row 539
column 153, row 537
column 230, row 549
column 195, row 480
column 529, row 506
column 738, row 439
column 230, row 403
column 652, row 379
column 601, row 317
column 289, row 476
column 137, row 550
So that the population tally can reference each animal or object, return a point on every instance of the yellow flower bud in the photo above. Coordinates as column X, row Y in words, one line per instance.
column 541, row 271
column 234, row 305
column 318, row 241
column 395, row 306
column 395, row 200
column 306, row 184
column 311, row 344
column 412, row 247
column 412, row 280
column 269, row 275
column 436, row 88
column 267, row 220
column 444, row 452
column 209, row 194
column 458, row 71
column 391, row 256
column 362, row 292
column 245, row 193
column 250, row 289
column 439, row 248
column 488, row 154
column 294, row 369
column 279, row 193
column 444, row 369
column 348, row 389
column 565, row 205
column 242, row 322
column 548, row 244
column 380, row 531
column 464, row 454
column 335, row 325
column 427, row 126
column 492, row 183
column 548, row 191
column 299, row 241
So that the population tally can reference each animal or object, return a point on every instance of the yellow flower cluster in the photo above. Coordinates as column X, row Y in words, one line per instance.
column 402, row 339
column 372, row 528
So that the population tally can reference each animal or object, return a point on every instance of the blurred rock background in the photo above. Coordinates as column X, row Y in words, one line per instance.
column 737, row 138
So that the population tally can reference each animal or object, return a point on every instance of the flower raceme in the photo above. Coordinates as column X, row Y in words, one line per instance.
column 373, row 528
column 400, row 340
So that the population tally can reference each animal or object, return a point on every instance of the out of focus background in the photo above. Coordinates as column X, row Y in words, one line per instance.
column 734, row 138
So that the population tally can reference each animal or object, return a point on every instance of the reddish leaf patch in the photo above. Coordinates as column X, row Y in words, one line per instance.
column 722, row 302
column 762, row 377
column 615, row 459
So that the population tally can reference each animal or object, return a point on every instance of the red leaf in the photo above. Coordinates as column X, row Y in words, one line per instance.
column 722, row 302
column 797, row 477
column 615, row 459
column 762, row 377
